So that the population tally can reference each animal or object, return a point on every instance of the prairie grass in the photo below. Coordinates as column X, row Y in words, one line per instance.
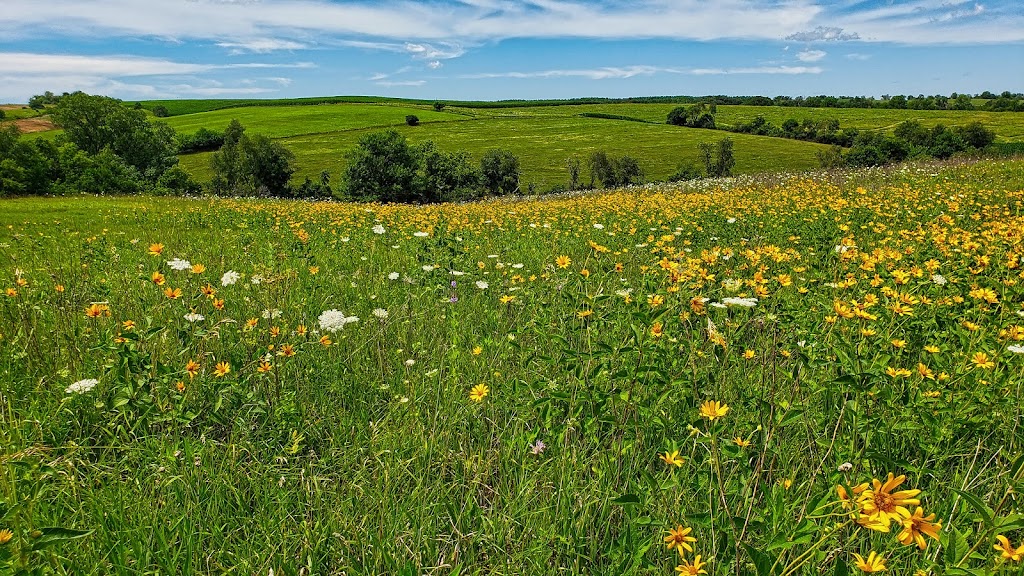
column 855, row 324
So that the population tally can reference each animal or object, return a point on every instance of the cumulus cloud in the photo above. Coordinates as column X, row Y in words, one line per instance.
column 261, row 45
column 823, row 34
column 811, row 55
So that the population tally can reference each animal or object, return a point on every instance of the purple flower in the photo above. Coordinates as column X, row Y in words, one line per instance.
column 538, row 447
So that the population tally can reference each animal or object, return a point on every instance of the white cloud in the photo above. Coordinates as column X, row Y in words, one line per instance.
column 261, row 45
column 810, row 55
column 786, row 70
column 824, row 34
column 631, row 71
column 434, row 65
column 401, row 83
column 858, row 56
column 23, row 74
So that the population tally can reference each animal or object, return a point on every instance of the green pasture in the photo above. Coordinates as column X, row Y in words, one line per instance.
column 543, row 144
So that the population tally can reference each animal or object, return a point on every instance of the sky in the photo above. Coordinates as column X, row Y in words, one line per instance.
column 504, row 49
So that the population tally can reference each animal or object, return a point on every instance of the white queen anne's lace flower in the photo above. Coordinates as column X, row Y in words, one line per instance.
column 82, row 386
column 380, row 313
column 939, row 279
column 334, row 320
column 179, row 264
column 378, row 229
column 744, row 302
column 1016, row 349
column 482, row 285
column 194, row 317
column 229, row 278
column 393, row 276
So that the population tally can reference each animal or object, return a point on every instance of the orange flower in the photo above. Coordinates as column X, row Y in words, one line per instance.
column 222, row 369
column 156, row 249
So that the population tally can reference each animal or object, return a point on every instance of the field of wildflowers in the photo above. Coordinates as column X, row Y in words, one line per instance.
column 778, row 375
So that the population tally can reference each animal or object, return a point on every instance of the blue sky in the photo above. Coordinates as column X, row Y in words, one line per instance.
column 497, row 49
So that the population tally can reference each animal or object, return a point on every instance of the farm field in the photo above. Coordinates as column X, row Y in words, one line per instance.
column 543, row 144
column 776, row 374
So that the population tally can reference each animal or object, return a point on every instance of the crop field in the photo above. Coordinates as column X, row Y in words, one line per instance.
column 774, row 375
column 542, row 143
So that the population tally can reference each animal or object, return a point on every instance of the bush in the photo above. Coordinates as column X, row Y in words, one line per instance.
column 686, row 171
column 438, row 106
column 831, row 158
column 160, row 112
column 718, row 158
column 447, row 177
column 251, row 165
column 572, row 164
column 500, row 172
column 202, row 140
column 382, row 167
column 412, row 120
column 696, row 116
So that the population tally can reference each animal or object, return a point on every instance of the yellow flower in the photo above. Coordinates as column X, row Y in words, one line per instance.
column 264, row 367
column 584, row 314
column 931, row 349
column 477, row 350
column 96, row 310
column 6, row 536
column 692, row 569
column 325, row 340
column 1007, row 551
column 506, row 299
column 287, row 350
column 59, row 288
column 713, row 410
column 672, row 458
column 749, row 354
column 222, row 369
column 680, row 539
column 655, row 300
column 192, row 368
column 873, row 563
column 172, row 293
column 657, row 330
column 314, row 270
column 128, row 325
column 158, row 278
column 981, row 360
column 585, row 273
column 882, row 503
column 479, row 392
column 897, row 343
column 917, row 526
column 179, row 386
column 208, row 291
column 156, row 249
column 198, row 268
column 563, row 261
column 739, row 441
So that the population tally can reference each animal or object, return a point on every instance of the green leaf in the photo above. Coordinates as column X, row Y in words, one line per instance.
column 763, row 563
column 626, row 499
column 979, row 506
column 56, row 535
column 841, row 568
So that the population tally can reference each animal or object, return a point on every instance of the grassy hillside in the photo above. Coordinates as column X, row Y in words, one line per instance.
column 543, row 143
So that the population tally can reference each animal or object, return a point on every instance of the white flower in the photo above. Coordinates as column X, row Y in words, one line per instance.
column 380, row 313
column 731, row 220
column 334, row 320
column 1016, row 349
column 517, row 266
column 421, row 234
column 410, row 362
column 842, row 249
column 428, row 268
column 717, row 305
column 599, row 226
column 732, row 285
column 229, row 278
column 345, row 239
column 393, row 276
column 256, row 279
column 624, row 293
column 1020, row 313
column 482, row 285
column 271, row 314
column 179, row 264
column 82, row 386
column 378, row 229
column 457, row 273
column 193, row 317
column 744, row 302
column 939, row 279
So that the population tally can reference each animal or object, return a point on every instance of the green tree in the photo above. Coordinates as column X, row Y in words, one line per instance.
column 160, row 111
column 412, row 120
column 438, row 106
column 94, row 123
column 265, row 166
column 718, row 158
column 382, row 167
column 628, row 171
column 601, row 170
column 500, row 172
column 572, row 164
column 447, row 177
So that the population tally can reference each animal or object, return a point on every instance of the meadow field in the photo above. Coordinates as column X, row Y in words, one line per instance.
column 774, row 375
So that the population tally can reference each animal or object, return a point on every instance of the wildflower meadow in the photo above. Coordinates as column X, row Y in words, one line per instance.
column 770, row 375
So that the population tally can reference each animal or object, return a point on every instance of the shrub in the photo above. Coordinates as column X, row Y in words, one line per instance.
column 160, row 111
column 500, row 172
column 382, row 167
column 447, row 177
column 438, row 106
column 412, row 120
column 685, row 171
column 718, row 158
